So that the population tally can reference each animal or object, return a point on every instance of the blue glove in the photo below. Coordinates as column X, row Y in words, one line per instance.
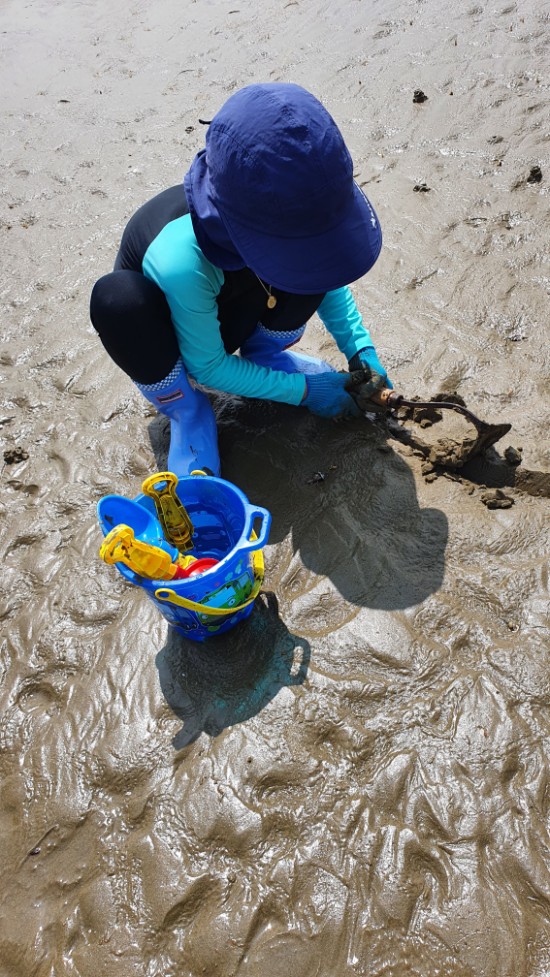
column 367, row 359
column 327, row 397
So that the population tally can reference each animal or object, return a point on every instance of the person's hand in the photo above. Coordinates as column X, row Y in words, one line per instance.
column 367, row 359
column 326, row 395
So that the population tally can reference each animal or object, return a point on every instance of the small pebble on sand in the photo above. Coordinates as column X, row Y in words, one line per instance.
column 496, row 499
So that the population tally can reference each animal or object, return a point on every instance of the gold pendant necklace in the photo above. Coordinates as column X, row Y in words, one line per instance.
column 271, row 299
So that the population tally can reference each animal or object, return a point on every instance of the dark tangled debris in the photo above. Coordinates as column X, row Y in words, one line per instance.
column 419, row 96
column 535, row 175
column 12, row 456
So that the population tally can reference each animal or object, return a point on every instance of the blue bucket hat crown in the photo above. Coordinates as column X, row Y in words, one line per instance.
column 275, row 184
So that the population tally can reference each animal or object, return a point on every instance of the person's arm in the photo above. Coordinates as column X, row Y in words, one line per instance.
column 191, row 285
column 340, row 315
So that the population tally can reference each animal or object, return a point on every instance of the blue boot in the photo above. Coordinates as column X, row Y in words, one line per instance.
column 193, row 433
column 268, row 348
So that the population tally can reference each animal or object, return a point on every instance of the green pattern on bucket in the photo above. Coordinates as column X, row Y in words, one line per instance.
column 169, row 595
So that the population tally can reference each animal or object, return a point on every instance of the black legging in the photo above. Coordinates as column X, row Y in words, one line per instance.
column 133, row 320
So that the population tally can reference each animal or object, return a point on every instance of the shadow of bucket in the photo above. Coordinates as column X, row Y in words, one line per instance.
column 228, row 529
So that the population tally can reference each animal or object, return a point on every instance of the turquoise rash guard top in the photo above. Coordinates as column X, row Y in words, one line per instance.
column 159, row 241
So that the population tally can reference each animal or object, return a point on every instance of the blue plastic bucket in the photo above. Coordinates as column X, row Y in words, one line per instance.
column 228, row 529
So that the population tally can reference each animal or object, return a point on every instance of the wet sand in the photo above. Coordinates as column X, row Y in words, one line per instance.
column 356, row 781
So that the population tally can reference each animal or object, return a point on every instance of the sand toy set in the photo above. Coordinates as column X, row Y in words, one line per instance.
column 193, row 544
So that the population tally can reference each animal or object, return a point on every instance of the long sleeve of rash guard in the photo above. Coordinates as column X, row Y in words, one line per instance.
column 191, row 285
column 340, row 315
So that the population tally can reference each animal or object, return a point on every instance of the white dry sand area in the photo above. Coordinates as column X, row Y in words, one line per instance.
column 356, row 783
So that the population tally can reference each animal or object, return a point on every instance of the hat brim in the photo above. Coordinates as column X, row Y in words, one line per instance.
column 319, row 263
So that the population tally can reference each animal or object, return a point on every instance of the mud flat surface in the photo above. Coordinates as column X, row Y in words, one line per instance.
column 356, row 782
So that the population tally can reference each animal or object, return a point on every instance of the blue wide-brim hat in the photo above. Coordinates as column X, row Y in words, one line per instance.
column 275, row 185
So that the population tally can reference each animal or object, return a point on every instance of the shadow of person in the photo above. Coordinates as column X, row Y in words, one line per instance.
column 342, row 496
column 347, row 519
column 234, row 677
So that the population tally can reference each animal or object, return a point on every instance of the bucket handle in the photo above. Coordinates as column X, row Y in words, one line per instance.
column 171, row 597
column 255, row 540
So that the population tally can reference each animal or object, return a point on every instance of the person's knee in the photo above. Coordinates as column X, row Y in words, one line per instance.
column 104, row 301
column 126, row 295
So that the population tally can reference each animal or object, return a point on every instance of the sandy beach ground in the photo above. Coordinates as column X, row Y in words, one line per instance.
column 356, row 781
